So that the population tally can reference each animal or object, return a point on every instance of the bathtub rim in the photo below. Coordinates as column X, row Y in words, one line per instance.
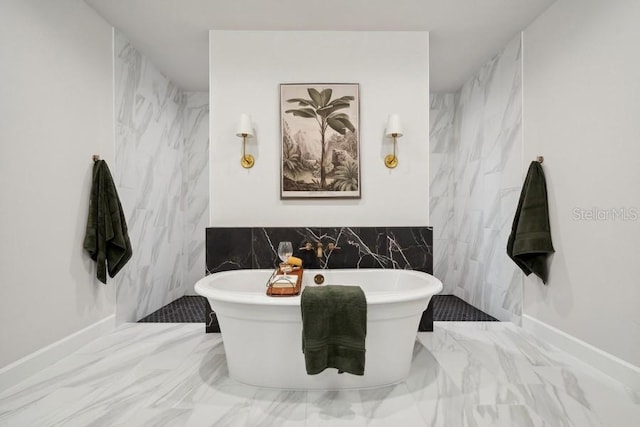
column 206, row 288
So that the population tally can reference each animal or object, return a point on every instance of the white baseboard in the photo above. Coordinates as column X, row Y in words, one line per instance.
column 609, row 364
column 23, row 368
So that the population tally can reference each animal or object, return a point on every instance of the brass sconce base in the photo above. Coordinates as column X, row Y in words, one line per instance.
column 391, row 161
column 247, row 161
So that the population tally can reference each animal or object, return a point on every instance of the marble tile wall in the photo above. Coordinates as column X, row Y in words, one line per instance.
column 195, row 185
column 476, row 175
column 409, row 248
column 441, row 185
column 160, row 139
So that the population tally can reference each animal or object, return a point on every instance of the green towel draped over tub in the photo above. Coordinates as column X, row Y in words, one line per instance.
column 106, row 238
column 334, row 327
column 530, row 241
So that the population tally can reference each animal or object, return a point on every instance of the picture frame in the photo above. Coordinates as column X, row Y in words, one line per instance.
column 320, row 140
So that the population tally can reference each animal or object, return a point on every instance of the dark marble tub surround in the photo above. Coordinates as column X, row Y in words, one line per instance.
column 407, row 248
column 264, row 243
column 228, row 249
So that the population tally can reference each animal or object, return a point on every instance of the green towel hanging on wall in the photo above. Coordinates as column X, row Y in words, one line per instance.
column 106, row 238
column 529, row 244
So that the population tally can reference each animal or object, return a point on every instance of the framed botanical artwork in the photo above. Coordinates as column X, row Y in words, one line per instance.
column 320, row 140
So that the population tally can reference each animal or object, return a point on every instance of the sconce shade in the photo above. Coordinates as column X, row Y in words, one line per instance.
column 393, row 126
column 244, row 126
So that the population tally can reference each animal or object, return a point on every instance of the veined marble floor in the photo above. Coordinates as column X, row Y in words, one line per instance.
column 463, row 374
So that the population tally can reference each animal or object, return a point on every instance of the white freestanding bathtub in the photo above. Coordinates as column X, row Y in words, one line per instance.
column 262, row 335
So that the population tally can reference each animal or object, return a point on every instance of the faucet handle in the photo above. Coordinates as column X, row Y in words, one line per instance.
column 332, row 246
column 307, row 246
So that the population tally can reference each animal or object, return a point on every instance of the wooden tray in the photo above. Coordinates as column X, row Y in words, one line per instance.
column 287, row 291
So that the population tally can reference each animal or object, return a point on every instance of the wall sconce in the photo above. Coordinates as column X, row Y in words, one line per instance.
column 394, row 130
column 245, row 130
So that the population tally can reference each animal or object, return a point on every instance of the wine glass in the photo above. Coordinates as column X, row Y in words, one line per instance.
column 285, row 250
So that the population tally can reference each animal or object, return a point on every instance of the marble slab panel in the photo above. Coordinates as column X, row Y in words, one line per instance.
column 228, row 249
column 411, row 248
column 359, row 247
column 475, row 171
column 161, row 152
column 264, row 243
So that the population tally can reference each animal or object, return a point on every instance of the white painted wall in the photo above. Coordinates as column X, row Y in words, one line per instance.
column 246, row 69
column 582, row 112
column 56, row 110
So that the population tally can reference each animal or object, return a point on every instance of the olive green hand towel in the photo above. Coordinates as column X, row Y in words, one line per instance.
column 529, row 244
column 334, row 328
column 106, row 238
